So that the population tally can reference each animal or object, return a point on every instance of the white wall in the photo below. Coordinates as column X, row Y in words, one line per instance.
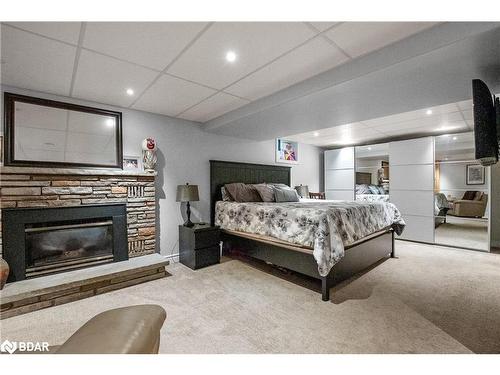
column 452, row 181
column 184, row 151
column 369, row 166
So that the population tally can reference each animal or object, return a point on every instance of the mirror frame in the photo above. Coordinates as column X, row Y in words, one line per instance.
column 9, row 123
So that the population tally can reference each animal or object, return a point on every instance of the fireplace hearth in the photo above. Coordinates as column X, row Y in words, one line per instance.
column 42, row 241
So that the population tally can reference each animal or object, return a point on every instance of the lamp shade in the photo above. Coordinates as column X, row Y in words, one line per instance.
column 303, row 191
column 187, row 193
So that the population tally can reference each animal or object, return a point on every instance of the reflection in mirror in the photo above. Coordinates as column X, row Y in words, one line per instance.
column 63, row 134
column 372, row 172
column 461, row 193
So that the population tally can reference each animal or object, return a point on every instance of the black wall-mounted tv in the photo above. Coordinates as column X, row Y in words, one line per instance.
column 485, row 123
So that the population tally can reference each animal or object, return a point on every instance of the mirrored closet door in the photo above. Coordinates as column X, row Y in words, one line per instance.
column 461, row 194
column 372, row 172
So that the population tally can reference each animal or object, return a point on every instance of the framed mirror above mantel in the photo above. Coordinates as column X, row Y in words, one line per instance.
column 47, row 133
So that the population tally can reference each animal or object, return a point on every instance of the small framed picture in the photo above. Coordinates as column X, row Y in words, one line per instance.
column 132, row 163
column 287, row 151
column 474, row 174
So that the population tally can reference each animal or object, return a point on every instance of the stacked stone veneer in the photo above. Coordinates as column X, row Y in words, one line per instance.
column 47, row 187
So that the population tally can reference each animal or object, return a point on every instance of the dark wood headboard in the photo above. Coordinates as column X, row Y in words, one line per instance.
column 226, row 172
column 363, row 178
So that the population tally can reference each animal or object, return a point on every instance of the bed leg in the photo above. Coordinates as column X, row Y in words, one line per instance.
column 393, row 250
column 325, row 288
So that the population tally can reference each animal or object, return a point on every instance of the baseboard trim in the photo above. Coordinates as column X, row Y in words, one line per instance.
column 172, row 256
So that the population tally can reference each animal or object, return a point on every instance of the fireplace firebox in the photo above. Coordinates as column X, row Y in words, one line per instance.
column 42, row 241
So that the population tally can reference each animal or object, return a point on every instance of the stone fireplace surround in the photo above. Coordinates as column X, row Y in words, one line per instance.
column 23, row 187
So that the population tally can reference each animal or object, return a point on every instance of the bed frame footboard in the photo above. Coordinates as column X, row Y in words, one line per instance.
column 357, row 258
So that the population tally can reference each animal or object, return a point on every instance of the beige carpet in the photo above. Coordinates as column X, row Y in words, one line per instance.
column 463, row 232
column 429, row 300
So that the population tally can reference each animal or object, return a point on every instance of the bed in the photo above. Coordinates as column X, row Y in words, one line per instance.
column 359, row 250
column 371, row 193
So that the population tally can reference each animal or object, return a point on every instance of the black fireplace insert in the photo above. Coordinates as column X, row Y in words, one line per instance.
column 42, row 241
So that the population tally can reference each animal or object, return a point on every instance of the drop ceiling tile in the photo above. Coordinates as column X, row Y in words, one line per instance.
column 255, row 44
column 152, row 44
column 68, row 32
column 171, row 96
column 397, row 118
column 89, row 123
column 35, row 116
column 36, row 63
column 86, row 143
column 448, row 128
column 359, row 38
column 213, row 107
column 314, row 57
column 465, row 105
column 468, row 115
column 103, row 79
column 339, row 135
column 40, row 139
column 321, row 26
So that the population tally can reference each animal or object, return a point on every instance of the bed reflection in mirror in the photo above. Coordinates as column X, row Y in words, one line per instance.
column 372, row 172
column 461, row 194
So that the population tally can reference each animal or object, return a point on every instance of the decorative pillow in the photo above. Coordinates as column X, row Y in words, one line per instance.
column 225, row 195
column 241, row 192
column 373, row 189
column 266, row 192
column 469, row 195
column 478, row 196
column 381, row 189
column 285, row 194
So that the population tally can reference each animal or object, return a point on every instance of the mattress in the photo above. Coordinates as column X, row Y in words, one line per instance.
column 326, row 227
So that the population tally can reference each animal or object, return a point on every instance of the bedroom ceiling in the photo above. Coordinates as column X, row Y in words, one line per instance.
column 444, row 119
column 180, row 69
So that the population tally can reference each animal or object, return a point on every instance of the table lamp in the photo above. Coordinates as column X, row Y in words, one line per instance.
column 187, row 193
column 302, row 190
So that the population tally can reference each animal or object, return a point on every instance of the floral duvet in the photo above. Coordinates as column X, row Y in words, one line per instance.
column 326, row 226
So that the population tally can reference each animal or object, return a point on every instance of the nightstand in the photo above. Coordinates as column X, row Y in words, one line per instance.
column 199, row 245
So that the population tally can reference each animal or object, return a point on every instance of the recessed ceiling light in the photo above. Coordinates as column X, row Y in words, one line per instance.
column 369, row 148
column 110, row 122
column 231, row 56
column 455, row 138
column 316, row 134
column 428, row 112
column 130, row 92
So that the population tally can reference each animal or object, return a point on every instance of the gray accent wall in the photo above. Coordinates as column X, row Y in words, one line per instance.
column 184, row 151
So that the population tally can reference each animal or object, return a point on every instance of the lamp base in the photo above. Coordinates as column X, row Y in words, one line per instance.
column 188, row 223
